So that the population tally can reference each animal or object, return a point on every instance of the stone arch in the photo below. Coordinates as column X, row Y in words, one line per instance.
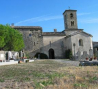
column 72, row 23
column 51, row 54
column 71, row 15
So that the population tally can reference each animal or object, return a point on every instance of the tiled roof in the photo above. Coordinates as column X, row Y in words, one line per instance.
column 78, row 32
column 69, row 10
column 73, row 29
column 19, row 27
column 53, row 34
column 88, row 34
column 95, row 44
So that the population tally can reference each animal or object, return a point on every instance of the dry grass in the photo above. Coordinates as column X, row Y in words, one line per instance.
column 48, row 74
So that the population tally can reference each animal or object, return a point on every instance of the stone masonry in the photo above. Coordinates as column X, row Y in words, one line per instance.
column 54, row 44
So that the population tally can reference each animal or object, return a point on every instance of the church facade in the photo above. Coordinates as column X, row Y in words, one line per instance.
column 54, row 44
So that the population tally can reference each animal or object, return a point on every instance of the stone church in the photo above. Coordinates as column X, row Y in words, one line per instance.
column 54, row 44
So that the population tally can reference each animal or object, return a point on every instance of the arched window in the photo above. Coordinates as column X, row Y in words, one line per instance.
column 80, row 42
column 72, row 23
column 71, row 15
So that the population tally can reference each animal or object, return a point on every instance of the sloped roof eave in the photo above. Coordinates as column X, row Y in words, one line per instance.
column 78, row 33
column 53, row 34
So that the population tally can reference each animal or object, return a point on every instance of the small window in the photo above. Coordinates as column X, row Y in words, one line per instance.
column 34, row 43
column 80, row 42
column 72, row 23
column 30, row 34
column 71, row 15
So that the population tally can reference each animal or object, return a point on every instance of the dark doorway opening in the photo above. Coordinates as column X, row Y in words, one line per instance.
column 7, row 56
column 51, row 54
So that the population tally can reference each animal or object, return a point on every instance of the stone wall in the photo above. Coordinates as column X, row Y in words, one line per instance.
column 32, row 39
column 2, row 55
column 69, row 32
column 67, row 43
column 54, row 42
column 7, row 55
column 87, row 43
column 67, row 19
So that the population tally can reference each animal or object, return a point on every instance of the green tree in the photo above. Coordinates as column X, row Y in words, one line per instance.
column 11, row 39
column 68, row 54
column 2, row 36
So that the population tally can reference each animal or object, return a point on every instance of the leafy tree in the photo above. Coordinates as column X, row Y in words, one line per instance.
column 11, row 39
column 2, row 36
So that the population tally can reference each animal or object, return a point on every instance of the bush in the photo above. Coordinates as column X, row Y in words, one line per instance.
column 42, row 56
column 27, row 55
column 68, row 54
column 27, row 61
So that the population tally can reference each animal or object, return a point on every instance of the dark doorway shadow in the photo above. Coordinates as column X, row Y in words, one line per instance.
column 6, row 56
column 51, row 54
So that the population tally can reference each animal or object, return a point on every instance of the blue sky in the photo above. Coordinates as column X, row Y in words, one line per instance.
column 48, row 14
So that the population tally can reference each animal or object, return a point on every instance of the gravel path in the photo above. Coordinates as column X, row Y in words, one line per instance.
column 71, row 63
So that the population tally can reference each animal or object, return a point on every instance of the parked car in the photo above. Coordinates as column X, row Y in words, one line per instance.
column 88, row 63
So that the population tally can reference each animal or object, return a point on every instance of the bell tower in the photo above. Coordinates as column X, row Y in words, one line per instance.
column 70, row 19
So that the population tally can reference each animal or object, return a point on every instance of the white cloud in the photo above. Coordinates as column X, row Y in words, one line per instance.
column 83, row 14
column 38, row 19
column 92, row 20
column 87, row 19
column 47, row 17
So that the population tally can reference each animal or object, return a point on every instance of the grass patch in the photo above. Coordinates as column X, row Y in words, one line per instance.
column 2, row 80
column 93, row 79
column 43, row 74
column 50, row 80
column 80, row 85
column 40, row 85
column 24, row 79
column 54, row 75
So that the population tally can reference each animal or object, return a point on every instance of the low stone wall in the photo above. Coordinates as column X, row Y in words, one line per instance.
column 2, row 55
column 8, row 63
column 7, row 55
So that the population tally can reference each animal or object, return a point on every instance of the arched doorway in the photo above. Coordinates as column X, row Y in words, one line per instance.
column 51, row 54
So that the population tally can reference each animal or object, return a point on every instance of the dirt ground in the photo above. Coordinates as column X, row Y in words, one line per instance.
column 48, row 74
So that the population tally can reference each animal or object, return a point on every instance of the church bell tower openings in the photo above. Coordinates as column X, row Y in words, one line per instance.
column 70, row 19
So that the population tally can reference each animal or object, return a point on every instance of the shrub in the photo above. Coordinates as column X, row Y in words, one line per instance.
column 27, row 61
column 68, row 54
column 42, row 56
column 2, row 80
column 27, row 56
